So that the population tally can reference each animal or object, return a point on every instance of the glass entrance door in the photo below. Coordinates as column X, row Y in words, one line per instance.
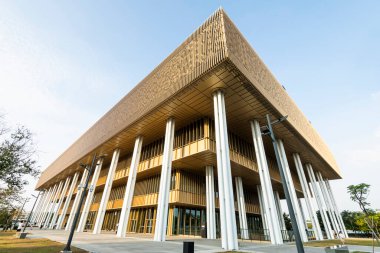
column 187, row 221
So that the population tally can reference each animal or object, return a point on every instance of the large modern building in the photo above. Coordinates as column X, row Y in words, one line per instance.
column 186, row 150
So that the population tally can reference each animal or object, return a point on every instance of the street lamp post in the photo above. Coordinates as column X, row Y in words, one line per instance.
column 269, row 131
column 90, row 169
column 31, row 212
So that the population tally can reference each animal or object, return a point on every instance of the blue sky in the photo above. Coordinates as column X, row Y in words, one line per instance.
column 63, row 64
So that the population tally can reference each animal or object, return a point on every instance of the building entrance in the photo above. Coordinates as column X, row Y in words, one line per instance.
column 188, row 221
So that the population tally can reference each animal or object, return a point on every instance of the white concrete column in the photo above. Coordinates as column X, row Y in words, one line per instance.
column 90, row 195
column 53, row 205
column 279, row 210
column 224, row 168
column 219, row 167
column 272, row 218
column 241, row 205
column 76, row 200
column 63, row 194
column 337, row 212
column 38, row 208
column 163, row 194
column 292, row 190
column 328, row 203
column 264, row 215
column 303, row 215
column 44, row 206
column 106, row 193
column 129, row 188
column 307, row 195
column 280, row 214
column 210, row 203
column 68, row 199
column 318, row 198
column 262, row 208
column 48, row 206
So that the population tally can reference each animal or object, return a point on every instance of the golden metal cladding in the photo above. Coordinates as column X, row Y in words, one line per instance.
column 215, row 56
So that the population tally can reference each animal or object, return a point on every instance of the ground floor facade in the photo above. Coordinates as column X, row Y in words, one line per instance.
column 124, row 195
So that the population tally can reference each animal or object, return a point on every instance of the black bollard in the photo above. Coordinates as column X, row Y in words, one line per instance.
column 188, row 247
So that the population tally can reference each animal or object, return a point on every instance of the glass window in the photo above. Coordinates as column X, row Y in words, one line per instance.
column 175, row 221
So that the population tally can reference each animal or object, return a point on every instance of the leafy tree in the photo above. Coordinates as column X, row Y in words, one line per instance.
column 6, row 215
column 17, row 157
column 359, row 194
column 17, row 160
column 349, row 219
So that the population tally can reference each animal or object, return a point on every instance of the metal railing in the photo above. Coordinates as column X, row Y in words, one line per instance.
column 255, row 234
column 288, row 235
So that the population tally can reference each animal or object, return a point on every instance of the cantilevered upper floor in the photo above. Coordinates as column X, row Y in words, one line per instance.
column 215, row 56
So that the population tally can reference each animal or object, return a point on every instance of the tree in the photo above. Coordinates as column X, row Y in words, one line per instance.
column 17, row 160
column 359, row 194
column 6, row 215
column 17, row 154
column 349, row 219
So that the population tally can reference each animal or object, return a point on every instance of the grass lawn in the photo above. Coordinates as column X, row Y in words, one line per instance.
column 349, row 241
column 9, row 243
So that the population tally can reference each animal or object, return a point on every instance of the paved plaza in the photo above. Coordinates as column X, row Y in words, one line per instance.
column 109, row 243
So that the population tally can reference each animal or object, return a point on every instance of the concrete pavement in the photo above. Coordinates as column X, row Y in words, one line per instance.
column 107, row 242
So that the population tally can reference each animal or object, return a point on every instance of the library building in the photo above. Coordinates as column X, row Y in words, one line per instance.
column 201, row 147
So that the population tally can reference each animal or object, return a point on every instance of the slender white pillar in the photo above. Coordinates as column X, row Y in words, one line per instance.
column 53, row 205
column 241, row 206
column 68, row 199
column 303, row 215
column 76, row 200
column 106, row 193
column 163, row 194
column 44, row 207
column 219, row 167
column 272, row 218
column 129, row 188
column 63, row 194
column 334, row 213
column 45, row 203
column 292, row 191
column 224, row 167
column 264, row 215
column 318, row 198
column 328, row 203
column 90, row 196
column 48, row 206
column 307, row 195
column 279, row 210
column 210, row 203
column 38, row 208
column 337, row 213
column 280, row 214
